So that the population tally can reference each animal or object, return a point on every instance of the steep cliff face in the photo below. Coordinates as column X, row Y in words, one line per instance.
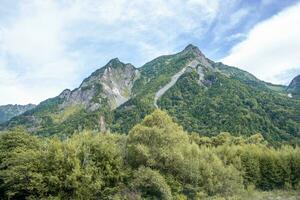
column 111, row 84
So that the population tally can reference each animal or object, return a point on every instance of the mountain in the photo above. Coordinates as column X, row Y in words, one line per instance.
column 294, row 86
column 88, row 106
column 201, row 95
column 109, row 86
column 209, row 98
column 9, row 111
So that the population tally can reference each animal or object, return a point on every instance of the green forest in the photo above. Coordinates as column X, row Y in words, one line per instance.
column 157, row 159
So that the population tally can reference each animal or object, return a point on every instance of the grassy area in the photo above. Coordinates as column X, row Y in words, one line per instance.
column 274, row 195
column 262, row 195
column 65, row 114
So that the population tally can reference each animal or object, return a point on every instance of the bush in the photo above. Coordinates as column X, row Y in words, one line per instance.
column 150, row 184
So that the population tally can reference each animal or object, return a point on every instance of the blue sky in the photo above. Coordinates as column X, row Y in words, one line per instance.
column 47, row 46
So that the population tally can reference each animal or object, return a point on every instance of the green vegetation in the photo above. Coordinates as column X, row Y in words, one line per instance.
column 208, row 98
column 65, row 114
column 227, row 100
column 154, row 75
column 224, row 104
column 51, row 118
column 156, row 160
column 229, row 105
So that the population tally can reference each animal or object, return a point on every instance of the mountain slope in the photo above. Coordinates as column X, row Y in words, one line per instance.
column 211, row 97
column 294, row 87
column 232, row 106
column 86, row 107
column 9, row 111
column 248, row 78
column 201, row 95
column 155, row 75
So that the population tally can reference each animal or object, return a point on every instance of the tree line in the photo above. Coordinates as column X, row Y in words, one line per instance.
column 156, row 160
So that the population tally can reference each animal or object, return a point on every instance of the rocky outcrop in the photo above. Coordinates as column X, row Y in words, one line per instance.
column 111, row 84
column 199, row 56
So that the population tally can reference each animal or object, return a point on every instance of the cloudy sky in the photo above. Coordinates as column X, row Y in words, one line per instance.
column 49, row 45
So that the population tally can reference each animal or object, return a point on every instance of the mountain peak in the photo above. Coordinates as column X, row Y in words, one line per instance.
column 190, row 46
column 194, row 49
column 114, row 61
column 65, row 93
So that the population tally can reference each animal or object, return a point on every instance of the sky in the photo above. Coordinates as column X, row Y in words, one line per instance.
column 49, row 45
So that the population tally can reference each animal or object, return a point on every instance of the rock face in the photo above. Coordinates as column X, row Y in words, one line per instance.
column 294, row 87
column 111, row 84
column 9, row 111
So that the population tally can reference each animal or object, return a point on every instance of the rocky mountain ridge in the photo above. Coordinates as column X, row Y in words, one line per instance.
column 198, row 93
column 111, row 84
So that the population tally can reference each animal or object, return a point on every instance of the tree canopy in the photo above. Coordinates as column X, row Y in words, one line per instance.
column 156, row 160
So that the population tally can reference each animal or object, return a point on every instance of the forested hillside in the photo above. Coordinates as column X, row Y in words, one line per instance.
column 210, row 98
column 202, row 96
column 156, row 160
column 149, row 100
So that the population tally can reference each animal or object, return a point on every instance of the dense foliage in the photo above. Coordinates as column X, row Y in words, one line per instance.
column 232, row 106
column 156, row 160
column 154, row 75
column 227, row 100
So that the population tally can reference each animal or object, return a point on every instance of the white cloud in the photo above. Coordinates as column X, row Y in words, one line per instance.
column 46, row 45
column 33, row 54
column 271, row 47
column 236, row 36
column 49, row 45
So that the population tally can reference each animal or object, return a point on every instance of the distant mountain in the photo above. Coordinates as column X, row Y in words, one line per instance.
column 9, row 111
column 294, row 86
column 201, row 95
